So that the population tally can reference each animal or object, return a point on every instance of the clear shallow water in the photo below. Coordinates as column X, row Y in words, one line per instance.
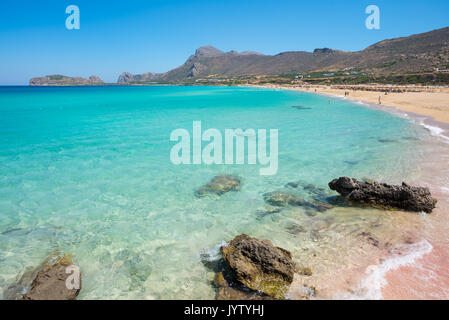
column 87, row 171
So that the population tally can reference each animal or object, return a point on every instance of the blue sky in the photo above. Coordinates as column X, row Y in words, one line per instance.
column 145, row 35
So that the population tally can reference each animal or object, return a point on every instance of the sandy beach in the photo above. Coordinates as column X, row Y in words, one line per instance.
column 431, row 102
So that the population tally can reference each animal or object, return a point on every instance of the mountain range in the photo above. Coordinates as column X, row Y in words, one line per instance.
column 421, row 53
column 417, row 53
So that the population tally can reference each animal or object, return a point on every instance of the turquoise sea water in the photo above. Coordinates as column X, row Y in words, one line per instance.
column 88, row 171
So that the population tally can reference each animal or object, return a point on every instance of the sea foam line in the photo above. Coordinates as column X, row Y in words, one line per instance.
column 435, row 131
column 444, row 189
column 370, row 287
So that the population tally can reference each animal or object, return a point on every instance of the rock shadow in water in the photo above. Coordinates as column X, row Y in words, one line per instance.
column 387, row 141
column 301, row 108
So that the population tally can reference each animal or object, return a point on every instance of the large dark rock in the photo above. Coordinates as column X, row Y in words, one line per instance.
column 385, row 196
column 259, row 265
column 227, row 287
column 219, row 185
column 50, row 281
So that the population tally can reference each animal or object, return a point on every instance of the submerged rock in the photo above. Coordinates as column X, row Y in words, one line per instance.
column 50, row 281
column 284, row 199
column 268, row 212
column 387, row 140
column 316, row 192
column 385, row 196
column 292, row 184
column 306, row 272
column 295, row 229
column 14, row 291
column 310, row 187
column 369, row 238
column 309, row 292
column 219, row 185
column 320, row 206
column 301, row 108
column 411, row 138
column 259, row 265
column 228, row 289
column 137, row 264
column 16, row 232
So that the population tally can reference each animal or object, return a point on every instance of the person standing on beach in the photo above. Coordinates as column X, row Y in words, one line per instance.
column 380, row 102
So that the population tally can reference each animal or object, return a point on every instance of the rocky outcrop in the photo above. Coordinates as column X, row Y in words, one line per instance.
column 208, row 51
column 95, row 79
column 50, row 281
column 324, row 51
column 219, row 185
column 60, row 80
column 196, row 69
column 127, row 78
column 385, row 196
column 259, row 265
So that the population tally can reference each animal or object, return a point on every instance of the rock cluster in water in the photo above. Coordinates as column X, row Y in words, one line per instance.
column 385, row 196
column 50, row 281
column 219, row 185
column 259, row 265
column 250, row 268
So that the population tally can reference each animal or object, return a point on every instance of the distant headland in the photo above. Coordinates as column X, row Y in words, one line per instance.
column 60, row 80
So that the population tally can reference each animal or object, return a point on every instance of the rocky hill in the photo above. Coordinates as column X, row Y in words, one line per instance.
column 60, row 80
column 127, row 77
column 417, row 53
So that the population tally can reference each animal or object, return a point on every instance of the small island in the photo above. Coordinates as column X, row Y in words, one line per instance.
column 60, row 80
